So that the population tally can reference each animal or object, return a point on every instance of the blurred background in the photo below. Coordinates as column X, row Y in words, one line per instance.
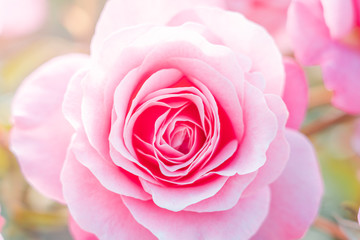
column 67, row 26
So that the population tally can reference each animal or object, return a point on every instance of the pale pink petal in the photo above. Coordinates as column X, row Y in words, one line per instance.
column 339, row 16
column 261, row 127
column 40, row 134
column 295, row 195
column 295, row 94
column 240, row 222
column 119, row 14
column 79, row 234
column 21, row 17
column 269, row 14
column 307, row 30
column 341, row 73
column 106, row 172
column 249, row 39
column 98, row 86
column 73, row 98
column 278, row 153
column 103, row 213
column 177, row 198
column 227, row 197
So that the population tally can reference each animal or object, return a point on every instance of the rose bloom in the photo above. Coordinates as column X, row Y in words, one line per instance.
column 172, row 129
column 327, row 33
column 21, row 17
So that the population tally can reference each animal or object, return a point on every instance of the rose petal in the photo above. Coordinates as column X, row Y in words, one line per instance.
column 78, row 233
column 98, row 91
column 177, row 198
column 119, row 14
column 71, row 105
column 103, row 213
column 339, row 22
column 255, row 42
column 241, row 222
column 341, row 74
column 295, row 93
column 108, row 174
column 307, row 31
column 227, row 197
column 295, row 195
column 278, row 153
column 40, row 134
column 260, row 130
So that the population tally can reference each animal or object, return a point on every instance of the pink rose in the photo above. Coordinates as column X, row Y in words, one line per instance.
column 174, row 129
column 21, row 17
column 270, row 14
column 326, row 33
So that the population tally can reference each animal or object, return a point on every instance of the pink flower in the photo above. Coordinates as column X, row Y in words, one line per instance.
column 21, row 17
column 326, row 33
column 269, row 14
column 2, row 223
column 174, row 129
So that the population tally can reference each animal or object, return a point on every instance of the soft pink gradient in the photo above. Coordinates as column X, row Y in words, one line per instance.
column 179, row 129
column 2, row 223
column 21, row 17
column 269, row 14
column 295, row 93
column 327, row 33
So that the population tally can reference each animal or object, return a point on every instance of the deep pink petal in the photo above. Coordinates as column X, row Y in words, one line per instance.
column 79, row 234
column 308, row 31
column 103, row 213
column 240, row 222
column 295, row 195
column 295, row 94
column 40, row 134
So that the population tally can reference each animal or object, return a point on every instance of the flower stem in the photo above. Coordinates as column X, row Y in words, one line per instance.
column 329, row 227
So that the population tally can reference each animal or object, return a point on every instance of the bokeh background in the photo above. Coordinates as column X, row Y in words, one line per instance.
column 68, row 27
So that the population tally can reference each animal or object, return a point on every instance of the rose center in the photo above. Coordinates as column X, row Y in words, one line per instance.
column 181, row 139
